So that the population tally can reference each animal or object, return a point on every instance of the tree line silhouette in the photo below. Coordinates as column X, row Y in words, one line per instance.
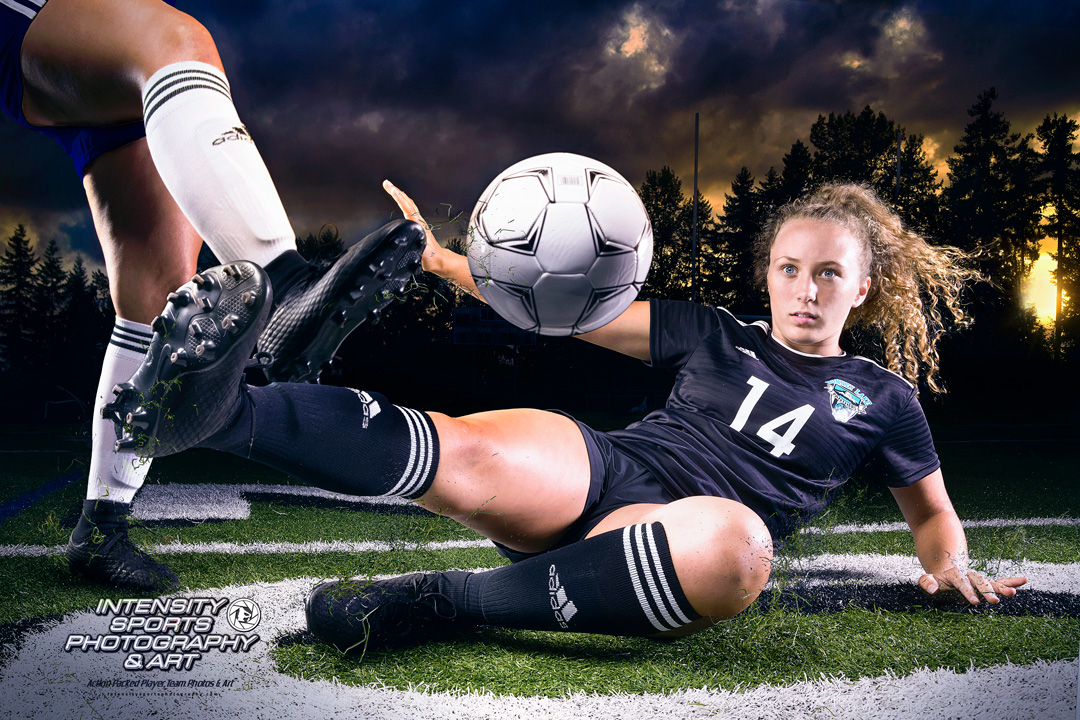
column 1005, row 193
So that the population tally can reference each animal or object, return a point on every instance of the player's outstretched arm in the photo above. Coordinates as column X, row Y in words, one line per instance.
column 445, row 263
column 628, row 333
column 942, row 546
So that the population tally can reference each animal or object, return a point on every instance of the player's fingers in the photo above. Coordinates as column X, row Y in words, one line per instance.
column 963, row 584
column 929, row 584
column 404, row 202
column 984, row 587
column 1007, row 586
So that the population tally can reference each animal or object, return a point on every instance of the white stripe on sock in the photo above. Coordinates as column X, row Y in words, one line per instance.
column 635, row 579
column 639, row 531
column 663, row 577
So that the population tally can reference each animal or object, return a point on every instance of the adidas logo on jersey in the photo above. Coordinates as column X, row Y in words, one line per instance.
column 564, row 608
column 237, row 133
column 744, row 351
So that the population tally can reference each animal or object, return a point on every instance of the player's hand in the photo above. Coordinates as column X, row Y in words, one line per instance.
column 432, row 259
column 975, row 587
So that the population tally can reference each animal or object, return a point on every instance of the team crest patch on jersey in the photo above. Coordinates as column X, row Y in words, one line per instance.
column 846, row 400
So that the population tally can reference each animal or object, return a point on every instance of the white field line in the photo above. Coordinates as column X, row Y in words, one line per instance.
column 45, row 681
column 264, row 548
column 968, row 524
column 216, row 501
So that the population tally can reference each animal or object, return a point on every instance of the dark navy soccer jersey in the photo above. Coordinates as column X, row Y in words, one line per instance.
column 778, row 430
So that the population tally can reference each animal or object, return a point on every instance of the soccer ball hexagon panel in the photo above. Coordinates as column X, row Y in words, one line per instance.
column 559, row 244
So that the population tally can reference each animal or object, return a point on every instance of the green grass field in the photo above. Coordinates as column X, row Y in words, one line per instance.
column 776, row 642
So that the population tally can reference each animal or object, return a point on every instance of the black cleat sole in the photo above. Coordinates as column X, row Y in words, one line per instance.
column 309, row 326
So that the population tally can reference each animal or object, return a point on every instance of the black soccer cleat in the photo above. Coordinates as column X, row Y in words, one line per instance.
column 101, row 551
column 316, row 314
column 189, row 384
column 359, row 614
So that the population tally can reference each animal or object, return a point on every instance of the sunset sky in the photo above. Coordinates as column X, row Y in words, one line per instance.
column 439, row 97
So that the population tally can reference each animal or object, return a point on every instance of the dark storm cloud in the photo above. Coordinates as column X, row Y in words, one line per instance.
column 441, row 96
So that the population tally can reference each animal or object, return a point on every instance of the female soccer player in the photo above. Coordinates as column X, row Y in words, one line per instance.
column 663, row 528
column 136, row 94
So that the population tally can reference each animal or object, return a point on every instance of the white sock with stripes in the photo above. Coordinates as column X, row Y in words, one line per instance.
column 211, row 166
column 335, row 438
column 116, row 476
column 621, row 582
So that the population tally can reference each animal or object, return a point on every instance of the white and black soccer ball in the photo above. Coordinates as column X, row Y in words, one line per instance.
column 559, row 244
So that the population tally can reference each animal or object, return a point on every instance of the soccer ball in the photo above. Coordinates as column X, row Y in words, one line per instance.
column 559, row 244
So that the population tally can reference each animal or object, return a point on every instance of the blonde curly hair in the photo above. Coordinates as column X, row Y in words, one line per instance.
column 915, row 287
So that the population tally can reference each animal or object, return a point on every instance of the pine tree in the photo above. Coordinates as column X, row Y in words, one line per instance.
column 16, row 304
column 662, row 195
column 1060, row 167
column 740, row 225
column 48, row 327
column 989, row 202
column 863, row 149
column 797, row 176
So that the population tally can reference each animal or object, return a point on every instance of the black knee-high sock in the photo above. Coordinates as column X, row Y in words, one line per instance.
column 335, row 438
column 621, row 582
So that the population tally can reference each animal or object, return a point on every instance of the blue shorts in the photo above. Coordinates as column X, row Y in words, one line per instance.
column 82, row 144
column 616, row 480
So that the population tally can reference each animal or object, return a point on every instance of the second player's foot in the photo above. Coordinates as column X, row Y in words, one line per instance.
column 314, row 315
column 189, row 385
column 101, row 551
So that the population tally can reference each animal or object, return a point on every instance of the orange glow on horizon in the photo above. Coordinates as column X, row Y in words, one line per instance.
column 1040, row 291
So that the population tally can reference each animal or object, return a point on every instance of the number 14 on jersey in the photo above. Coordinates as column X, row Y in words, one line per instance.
column 782, row 444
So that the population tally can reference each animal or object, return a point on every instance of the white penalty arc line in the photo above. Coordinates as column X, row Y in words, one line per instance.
column 43, row 680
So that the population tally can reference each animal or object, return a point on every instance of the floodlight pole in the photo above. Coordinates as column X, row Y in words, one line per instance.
column 693, row 232
column 896, row 189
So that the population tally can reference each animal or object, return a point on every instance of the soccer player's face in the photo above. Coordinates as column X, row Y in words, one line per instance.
column 816, row 276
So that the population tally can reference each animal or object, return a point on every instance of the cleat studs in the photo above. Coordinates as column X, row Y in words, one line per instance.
column 202, row 281
column 205, row 304
column 179, row 357
column 179, row 299
column 125, row 444
column 231, row 323
column 158, row 325
column 248, row 298
column 231, row 271
column 202, row 348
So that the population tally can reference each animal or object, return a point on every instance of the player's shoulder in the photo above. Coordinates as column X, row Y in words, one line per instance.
column 872, row 372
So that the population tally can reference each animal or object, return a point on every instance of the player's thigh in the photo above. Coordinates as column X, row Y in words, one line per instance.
column 149, row 246
column 84, row 62
column 519, row 477
column 721, row 550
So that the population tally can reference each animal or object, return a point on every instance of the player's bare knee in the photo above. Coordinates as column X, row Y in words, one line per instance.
column 180, row 40
column 726, row 557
